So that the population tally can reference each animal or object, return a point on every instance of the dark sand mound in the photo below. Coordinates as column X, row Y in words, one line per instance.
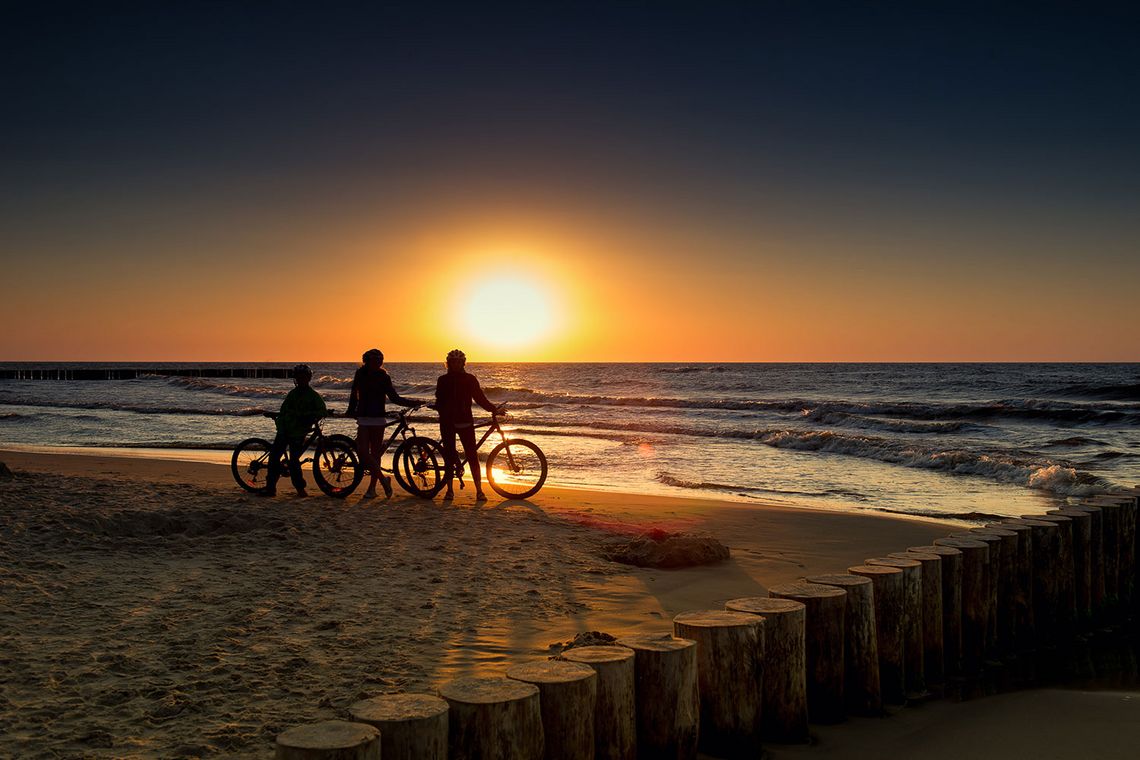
column 667, row 550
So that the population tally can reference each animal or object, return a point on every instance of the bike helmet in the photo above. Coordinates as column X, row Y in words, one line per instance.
column 372, row 352
column 456, row 354
column 302, row 369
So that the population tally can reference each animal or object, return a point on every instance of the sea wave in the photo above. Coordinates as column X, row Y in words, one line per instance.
column 666, row 479
column 1076, row 440
column 226, row 389
column 995, row 464
column 689, row 369
column 847, row 419
column 143, row 409
column 1110, row 392
column 1030, row 410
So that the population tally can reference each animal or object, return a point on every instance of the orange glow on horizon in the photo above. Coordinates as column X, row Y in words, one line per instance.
column 555, row 287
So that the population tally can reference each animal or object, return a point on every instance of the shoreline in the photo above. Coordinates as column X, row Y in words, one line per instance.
column 221, row 457
column 157, row 609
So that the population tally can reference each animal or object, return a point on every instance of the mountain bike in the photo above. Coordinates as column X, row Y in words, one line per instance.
column 336, row 466
column 516, row 468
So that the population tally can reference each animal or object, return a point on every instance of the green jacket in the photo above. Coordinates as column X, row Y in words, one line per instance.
column 298, row 411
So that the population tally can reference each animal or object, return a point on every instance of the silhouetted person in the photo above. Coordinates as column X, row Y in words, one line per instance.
column 371, row 386
column 454, row 394
column 301, row 408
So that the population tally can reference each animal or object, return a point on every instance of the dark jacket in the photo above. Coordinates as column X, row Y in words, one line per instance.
column 369, row 390
column 454, row 393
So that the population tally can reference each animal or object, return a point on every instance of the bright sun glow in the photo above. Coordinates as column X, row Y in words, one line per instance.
column 508, row 311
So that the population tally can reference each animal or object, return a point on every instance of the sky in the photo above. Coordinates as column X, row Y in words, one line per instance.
column 635, row 181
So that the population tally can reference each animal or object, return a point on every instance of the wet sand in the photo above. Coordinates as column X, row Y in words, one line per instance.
column 151, row 608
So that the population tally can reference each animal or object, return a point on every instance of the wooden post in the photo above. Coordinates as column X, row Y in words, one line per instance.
column 933, row 644
column 1066, row 574
column 992, row 572
column 668, row 701
column 785, row 711
column 1082, row 560
column 329, row 740
column 730, row 668
column 567, row 695
column 412, row 726
column 1110, row 547
column 1023, row 582
column 1006, row 586
column 862, row 689
column 890, row 599
column 615, row 715
column 823, row 634
column 493, row 719
column 913, row 645
column 1096, row 559
column 975, row 599
column 951, row 570
column 1046, row 595
column 1125, row 505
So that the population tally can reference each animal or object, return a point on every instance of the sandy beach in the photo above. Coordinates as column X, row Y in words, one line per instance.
column 153, row 609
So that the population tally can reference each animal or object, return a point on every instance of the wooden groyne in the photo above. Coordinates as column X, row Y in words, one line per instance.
column 995, row 599
column 131, row 373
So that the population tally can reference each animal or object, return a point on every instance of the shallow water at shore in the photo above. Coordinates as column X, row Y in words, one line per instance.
column 906, row 438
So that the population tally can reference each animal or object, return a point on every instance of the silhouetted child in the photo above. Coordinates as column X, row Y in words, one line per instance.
column 300, row 409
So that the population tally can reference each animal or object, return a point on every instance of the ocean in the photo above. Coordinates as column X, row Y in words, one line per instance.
column 925, row 439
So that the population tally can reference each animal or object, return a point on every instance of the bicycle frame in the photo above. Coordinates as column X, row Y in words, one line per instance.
column 493, row 426
column 402, row 430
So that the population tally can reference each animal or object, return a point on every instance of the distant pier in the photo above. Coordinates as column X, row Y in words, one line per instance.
column 130, row 373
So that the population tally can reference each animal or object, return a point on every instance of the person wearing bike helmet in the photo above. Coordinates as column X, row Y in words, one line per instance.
column 301, row 408
column 371, row 386
column 454, row 394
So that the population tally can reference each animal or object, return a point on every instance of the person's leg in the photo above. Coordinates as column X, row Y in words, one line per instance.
column 376, row 446
column 276, row 451
column 296, row 451
column 364, row 449
column 447, row 440
column 467, row 435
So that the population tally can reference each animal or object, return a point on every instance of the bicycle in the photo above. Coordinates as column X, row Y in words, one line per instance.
column 336, row 467
column 516, row 468
column 418, row 462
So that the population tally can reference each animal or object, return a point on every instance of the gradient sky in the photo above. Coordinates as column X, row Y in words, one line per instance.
column 270, row 181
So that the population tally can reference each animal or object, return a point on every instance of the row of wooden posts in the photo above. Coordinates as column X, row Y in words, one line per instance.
column 892, row 629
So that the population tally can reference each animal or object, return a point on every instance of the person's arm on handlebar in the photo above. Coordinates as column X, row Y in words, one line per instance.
column 480, row 398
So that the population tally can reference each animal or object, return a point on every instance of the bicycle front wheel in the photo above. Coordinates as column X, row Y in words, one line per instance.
column 420, row 467
column 516, row 469
column 250, row 464
column 336, row 467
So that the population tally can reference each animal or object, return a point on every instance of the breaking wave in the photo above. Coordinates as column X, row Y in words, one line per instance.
column 1001, row 466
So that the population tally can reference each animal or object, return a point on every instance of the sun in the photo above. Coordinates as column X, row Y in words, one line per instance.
column 508, row 312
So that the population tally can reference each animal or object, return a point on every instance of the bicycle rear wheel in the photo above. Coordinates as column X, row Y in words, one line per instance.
column 516, row 469
column 250, row 464
column 336, row 467
column 420, row 467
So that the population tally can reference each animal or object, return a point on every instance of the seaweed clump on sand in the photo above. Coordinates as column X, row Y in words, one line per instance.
column 661, row 549
column 586, row 639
